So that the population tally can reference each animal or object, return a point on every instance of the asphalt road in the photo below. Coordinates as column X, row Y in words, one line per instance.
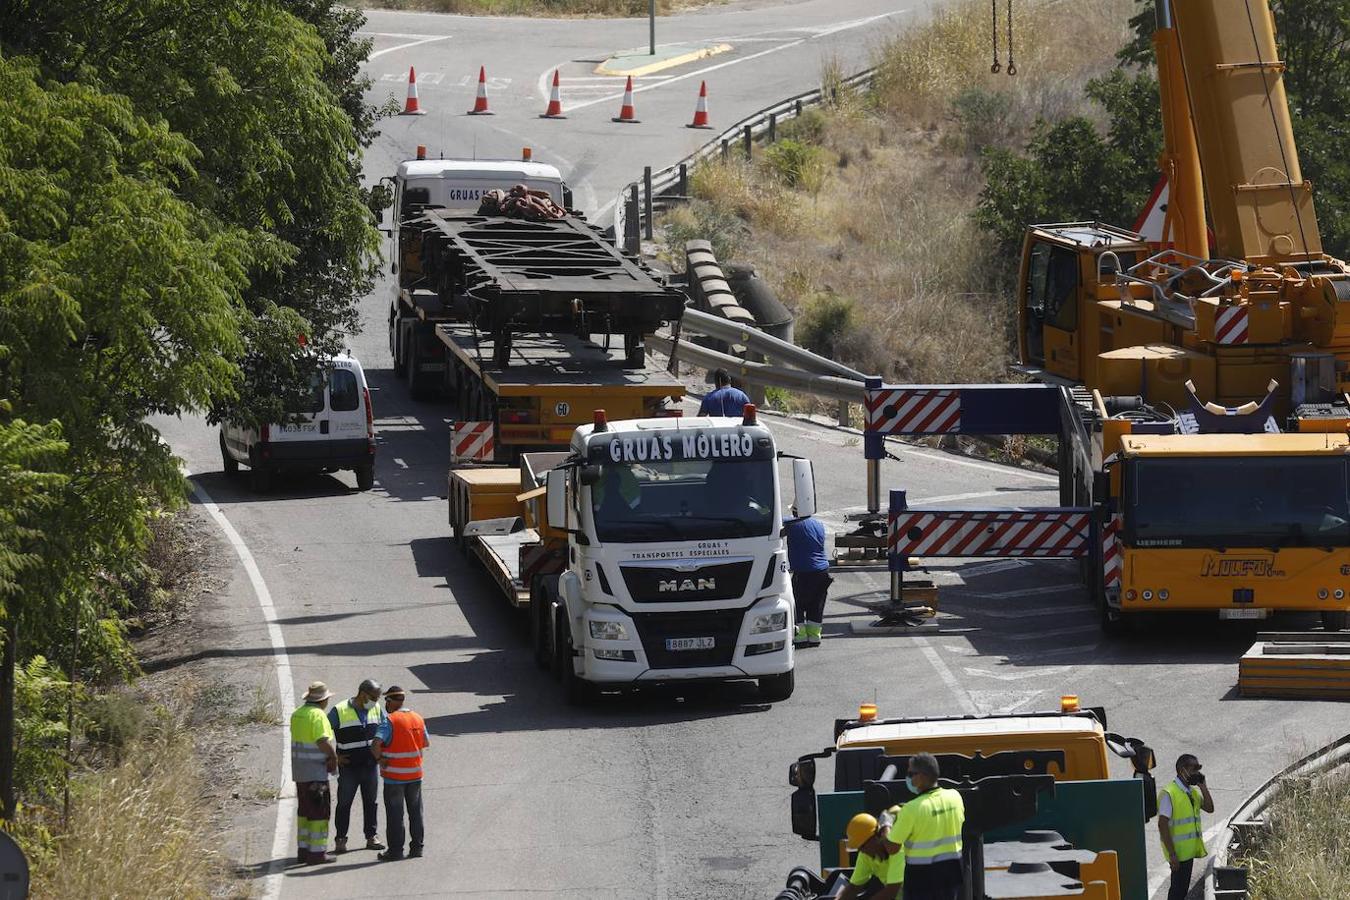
column 659, row 795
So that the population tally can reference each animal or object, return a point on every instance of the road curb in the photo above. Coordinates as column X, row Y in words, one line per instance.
column 607, row 67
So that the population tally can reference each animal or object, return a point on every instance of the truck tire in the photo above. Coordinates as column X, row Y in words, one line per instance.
column 501, row 348
column 1335, row 619
column 576, row 690
column 260, row 479
column 365, row 477
column 396, row 341
column 228, row 462
column 539, row 639
column 776, row 688
column 416, row 380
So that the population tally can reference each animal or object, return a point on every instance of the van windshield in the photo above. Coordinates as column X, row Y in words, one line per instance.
column 1259, row 501
column 686, row 499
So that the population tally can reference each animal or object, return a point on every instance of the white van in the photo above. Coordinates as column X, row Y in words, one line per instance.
column 336, row 430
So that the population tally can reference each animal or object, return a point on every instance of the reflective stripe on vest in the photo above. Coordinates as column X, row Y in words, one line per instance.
column 1184, row 824
column 352, row 734
column 941, row 812
column 401, row 760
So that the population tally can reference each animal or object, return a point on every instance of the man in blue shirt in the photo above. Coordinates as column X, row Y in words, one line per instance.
column 810, row 577
column 723, row 399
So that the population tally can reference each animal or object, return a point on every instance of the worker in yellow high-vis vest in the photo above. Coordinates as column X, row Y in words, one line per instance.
column 928, row 829
column 313, row 759
column 1179, row 805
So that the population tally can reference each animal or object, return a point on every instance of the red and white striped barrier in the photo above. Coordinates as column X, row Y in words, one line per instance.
column 913, row 411
column 471, row 442
column 1230, row 325
column 1113, row 558
column 1040, row 533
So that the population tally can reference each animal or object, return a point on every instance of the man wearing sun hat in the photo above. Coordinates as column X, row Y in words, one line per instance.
column 313, row 758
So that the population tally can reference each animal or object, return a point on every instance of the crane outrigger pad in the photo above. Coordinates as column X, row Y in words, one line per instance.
column 512, row 275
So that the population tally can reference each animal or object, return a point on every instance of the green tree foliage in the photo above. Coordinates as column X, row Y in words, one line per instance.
column 180, row 202
column 1071, row 171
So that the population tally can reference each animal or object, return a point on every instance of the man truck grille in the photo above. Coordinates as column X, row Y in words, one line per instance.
column 659, row 584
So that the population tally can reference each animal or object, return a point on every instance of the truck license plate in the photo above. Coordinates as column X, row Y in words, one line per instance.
column 1243, row 613
column 697, row 643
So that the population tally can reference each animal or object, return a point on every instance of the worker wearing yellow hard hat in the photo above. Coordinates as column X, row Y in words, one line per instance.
column 888, row 873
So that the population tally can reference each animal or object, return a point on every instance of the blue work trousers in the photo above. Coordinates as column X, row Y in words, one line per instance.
column 400, row 795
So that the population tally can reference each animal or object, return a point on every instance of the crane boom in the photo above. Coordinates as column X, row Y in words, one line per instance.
column 1260, row 204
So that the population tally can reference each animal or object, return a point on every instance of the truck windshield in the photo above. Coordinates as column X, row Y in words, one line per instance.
column 1268, row 501
column 683, row 500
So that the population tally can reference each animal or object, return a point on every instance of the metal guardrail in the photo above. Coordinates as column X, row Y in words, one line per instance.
column 641, row 194
column 833, row 387
column 1250, row 818
column 633, row 209
column 760, row 342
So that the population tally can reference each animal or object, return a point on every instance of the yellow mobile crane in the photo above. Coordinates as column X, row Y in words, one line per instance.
column 1264, row 304
column 1249, row 334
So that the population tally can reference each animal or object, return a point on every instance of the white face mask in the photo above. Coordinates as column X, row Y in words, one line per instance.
column 369, row 704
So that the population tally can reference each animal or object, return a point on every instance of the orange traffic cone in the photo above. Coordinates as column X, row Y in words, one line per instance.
column 554, row 110
column 410, row 107
column 701, row 108
column 480, row 107
column 626, row 113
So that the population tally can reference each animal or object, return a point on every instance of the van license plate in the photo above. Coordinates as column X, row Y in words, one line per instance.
column 1244, row 613
column 697, row 643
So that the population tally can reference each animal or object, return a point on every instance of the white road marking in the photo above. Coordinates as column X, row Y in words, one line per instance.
column 952, row 498
column 1021, row 592
column 991, row 568
column 410, row 44
column 393, row 34
column 844, row 26
column 285, row 688
column 1017, row 676
column 944, row 672
column 400, row 463
column 1053, row 632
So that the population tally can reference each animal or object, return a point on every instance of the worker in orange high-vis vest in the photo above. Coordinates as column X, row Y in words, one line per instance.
column 399, row 743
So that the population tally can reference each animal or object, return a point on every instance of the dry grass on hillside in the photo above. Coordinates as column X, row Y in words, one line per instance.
column 142, row 827
column 1305, row 854
column 862, row 224
column 542, row 8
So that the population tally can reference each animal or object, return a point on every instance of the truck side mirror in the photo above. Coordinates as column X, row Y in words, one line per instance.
column 803, row 488
column 556, row 482
column 589, row 475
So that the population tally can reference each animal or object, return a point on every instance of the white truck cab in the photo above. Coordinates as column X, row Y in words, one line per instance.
column 459, row 184
column 677, row 569
column 334, row 430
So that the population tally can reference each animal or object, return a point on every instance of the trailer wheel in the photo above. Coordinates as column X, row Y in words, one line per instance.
column 776, row 688
column 396, row 340
column 634, row 351
column 1335, row 619
column 501, row 348
column 417, row 388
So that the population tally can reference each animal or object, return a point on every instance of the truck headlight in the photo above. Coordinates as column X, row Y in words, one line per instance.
column 774, row 621
column 609, row 631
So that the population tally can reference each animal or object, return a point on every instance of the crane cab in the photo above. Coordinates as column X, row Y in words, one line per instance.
column 1068, row 299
